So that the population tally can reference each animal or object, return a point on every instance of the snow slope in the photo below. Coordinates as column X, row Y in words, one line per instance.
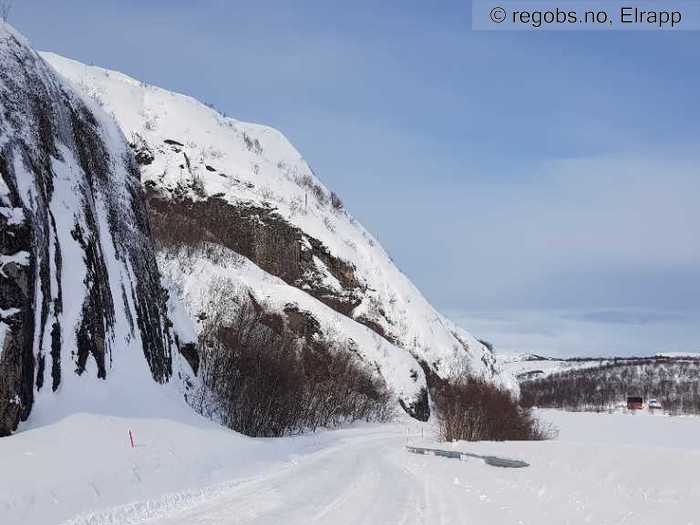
column 197, row 280
column 528, row 366
column 690, row 355
column 603, row 468
column 189, row 151
column 80, row 297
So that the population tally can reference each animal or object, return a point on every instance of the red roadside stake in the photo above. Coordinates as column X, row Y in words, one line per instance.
column 131, row 438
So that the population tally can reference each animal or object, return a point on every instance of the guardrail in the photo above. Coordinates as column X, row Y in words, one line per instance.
column 456, row 454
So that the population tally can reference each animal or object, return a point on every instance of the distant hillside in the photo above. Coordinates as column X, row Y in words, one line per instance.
column 599, row 384
column 524, row 366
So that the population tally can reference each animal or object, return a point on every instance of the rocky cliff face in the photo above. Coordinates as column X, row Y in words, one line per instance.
column 79, row 286
column 245, row 191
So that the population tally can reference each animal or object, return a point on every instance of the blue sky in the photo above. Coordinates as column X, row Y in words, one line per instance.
column 502, row 171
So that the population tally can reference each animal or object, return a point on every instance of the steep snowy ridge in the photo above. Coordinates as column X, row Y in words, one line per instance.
column 244, row 187
column 80, row 294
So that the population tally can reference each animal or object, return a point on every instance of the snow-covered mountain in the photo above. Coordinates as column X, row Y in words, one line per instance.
column 80, row 296
column 275, row 231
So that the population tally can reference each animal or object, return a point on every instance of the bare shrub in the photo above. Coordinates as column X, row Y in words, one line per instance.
column 473, row 409
column 151, row 124
column 198, row 186
column 329, row 224
column 307, row 181
column 267, row 193
column 304, row 180
column 267, row 382
column 296, row 206
column 320, row 195
column 336, row 202
column 252, row 145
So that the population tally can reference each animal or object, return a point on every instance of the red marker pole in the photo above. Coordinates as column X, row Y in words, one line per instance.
column 131, row 438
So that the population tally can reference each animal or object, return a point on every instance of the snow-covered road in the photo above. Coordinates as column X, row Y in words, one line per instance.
column 366, row 475
column 604, row 469
column 366, row 478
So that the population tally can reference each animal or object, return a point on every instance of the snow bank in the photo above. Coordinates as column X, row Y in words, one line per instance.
column 85, row 462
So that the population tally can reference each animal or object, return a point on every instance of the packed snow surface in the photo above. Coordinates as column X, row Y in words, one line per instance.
column 603, row 468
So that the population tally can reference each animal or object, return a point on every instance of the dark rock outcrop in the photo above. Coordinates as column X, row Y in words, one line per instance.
column 78, row 276
column 259, row 234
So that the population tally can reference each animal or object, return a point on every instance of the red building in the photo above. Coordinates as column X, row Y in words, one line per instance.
column 634, row 403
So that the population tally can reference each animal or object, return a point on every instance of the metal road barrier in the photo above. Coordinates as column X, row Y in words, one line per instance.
column 456, row 454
